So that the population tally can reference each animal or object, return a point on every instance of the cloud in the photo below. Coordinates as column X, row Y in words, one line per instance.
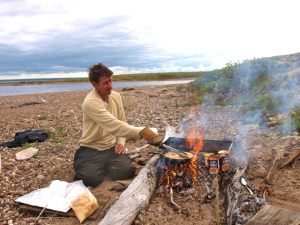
column 45, row 36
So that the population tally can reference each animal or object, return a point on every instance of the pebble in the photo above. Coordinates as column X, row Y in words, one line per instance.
column 40, row 177
column 160, row 210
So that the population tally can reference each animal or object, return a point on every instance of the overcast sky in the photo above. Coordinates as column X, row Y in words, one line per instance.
column 59, row 36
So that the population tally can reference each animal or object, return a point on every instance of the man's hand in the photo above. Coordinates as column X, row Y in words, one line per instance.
column 151, row 137
column 120, row 149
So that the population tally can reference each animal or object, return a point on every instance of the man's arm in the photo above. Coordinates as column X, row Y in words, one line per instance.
column 97, row 112
column 122, row 117
column 120, row 145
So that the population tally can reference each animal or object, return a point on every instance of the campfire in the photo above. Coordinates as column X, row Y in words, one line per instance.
column 202, row 161
column 187, row 172
column 205, row 171
column 181, row 172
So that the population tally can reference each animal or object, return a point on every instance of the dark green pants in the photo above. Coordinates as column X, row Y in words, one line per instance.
column 91, row 165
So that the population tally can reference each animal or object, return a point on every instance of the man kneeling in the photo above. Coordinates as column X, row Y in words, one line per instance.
column 105, row 130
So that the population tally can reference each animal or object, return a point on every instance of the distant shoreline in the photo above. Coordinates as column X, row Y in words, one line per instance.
column 116, row 78
column 72, row 86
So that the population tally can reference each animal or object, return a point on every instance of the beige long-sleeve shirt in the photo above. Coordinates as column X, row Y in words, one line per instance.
column 104, row 124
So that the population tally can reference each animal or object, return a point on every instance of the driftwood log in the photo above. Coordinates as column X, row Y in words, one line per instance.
column 270, row 215
column 134, row 198
column 289, row 205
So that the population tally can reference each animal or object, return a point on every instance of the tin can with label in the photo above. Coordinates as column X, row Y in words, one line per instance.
column 223, row 160
column 206, row 155
column 213, row 162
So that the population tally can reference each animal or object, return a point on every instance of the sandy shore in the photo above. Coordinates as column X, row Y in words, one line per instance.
column 61, row 115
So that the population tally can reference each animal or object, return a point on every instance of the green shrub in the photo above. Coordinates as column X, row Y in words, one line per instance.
column 295, row 115
column 262, row 82
column 266, row 104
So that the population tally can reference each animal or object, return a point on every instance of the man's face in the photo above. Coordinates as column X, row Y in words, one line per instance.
column 104, row 86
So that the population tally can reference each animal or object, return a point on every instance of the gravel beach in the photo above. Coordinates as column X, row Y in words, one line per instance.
column 60, row 114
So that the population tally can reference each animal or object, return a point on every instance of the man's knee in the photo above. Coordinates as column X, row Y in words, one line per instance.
column 89, row 166
column 121, row 168
column 122, row 174
column 90, row 179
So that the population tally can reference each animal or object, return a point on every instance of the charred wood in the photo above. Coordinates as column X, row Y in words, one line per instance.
column 241, row 205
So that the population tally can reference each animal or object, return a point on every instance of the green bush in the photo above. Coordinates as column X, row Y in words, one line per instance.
column 262, row 83
column 266, row 104
column 295, row 115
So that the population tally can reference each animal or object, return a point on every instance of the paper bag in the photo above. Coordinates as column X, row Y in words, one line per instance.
column 84, row 205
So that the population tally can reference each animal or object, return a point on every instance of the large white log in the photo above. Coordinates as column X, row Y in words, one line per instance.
column 134, row 198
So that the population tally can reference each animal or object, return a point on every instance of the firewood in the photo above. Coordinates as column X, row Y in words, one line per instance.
column 277, row 156
column 172, row 200
column 270, row 215
column 291, row 158
column 275, row 165
column 290, row 205
column 135, row 197
column 232, row 192
column 241, row 205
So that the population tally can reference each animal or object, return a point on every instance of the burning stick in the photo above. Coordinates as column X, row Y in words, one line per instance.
column 172, row 201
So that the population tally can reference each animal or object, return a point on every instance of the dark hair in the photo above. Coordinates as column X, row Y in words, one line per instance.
column 98, row 70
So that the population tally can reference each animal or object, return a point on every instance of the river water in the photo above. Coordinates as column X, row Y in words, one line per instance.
column 48, row 88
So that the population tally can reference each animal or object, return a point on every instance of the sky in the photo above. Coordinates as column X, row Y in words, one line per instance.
column 63, row 38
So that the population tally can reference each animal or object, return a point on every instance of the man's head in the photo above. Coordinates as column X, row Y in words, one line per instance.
column 101, row 78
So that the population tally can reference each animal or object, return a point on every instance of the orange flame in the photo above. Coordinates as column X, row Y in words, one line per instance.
column 194, row 141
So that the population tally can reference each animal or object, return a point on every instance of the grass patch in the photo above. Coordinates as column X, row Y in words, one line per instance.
column 35, row 144
column 295, row 116
column 268, row 104
column 31, row 145
column 58, row 136
column 42, row 117
column 124, row 77
column 158, row 76
column 181, row 87
column 170, row 95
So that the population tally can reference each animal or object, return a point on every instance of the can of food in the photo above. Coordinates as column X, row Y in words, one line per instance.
column 206, row 155
column 213, row 162
column 223, row 160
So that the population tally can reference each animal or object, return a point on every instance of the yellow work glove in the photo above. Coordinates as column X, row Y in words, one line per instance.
column 151, row 137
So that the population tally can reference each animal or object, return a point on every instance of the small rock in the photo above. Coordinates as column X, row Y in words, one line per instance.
column 127, row 89
column 142, row 161
column 118, row 187
column 136, row 222
column 40, row 177
column 52, row 129
column 160, row 210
